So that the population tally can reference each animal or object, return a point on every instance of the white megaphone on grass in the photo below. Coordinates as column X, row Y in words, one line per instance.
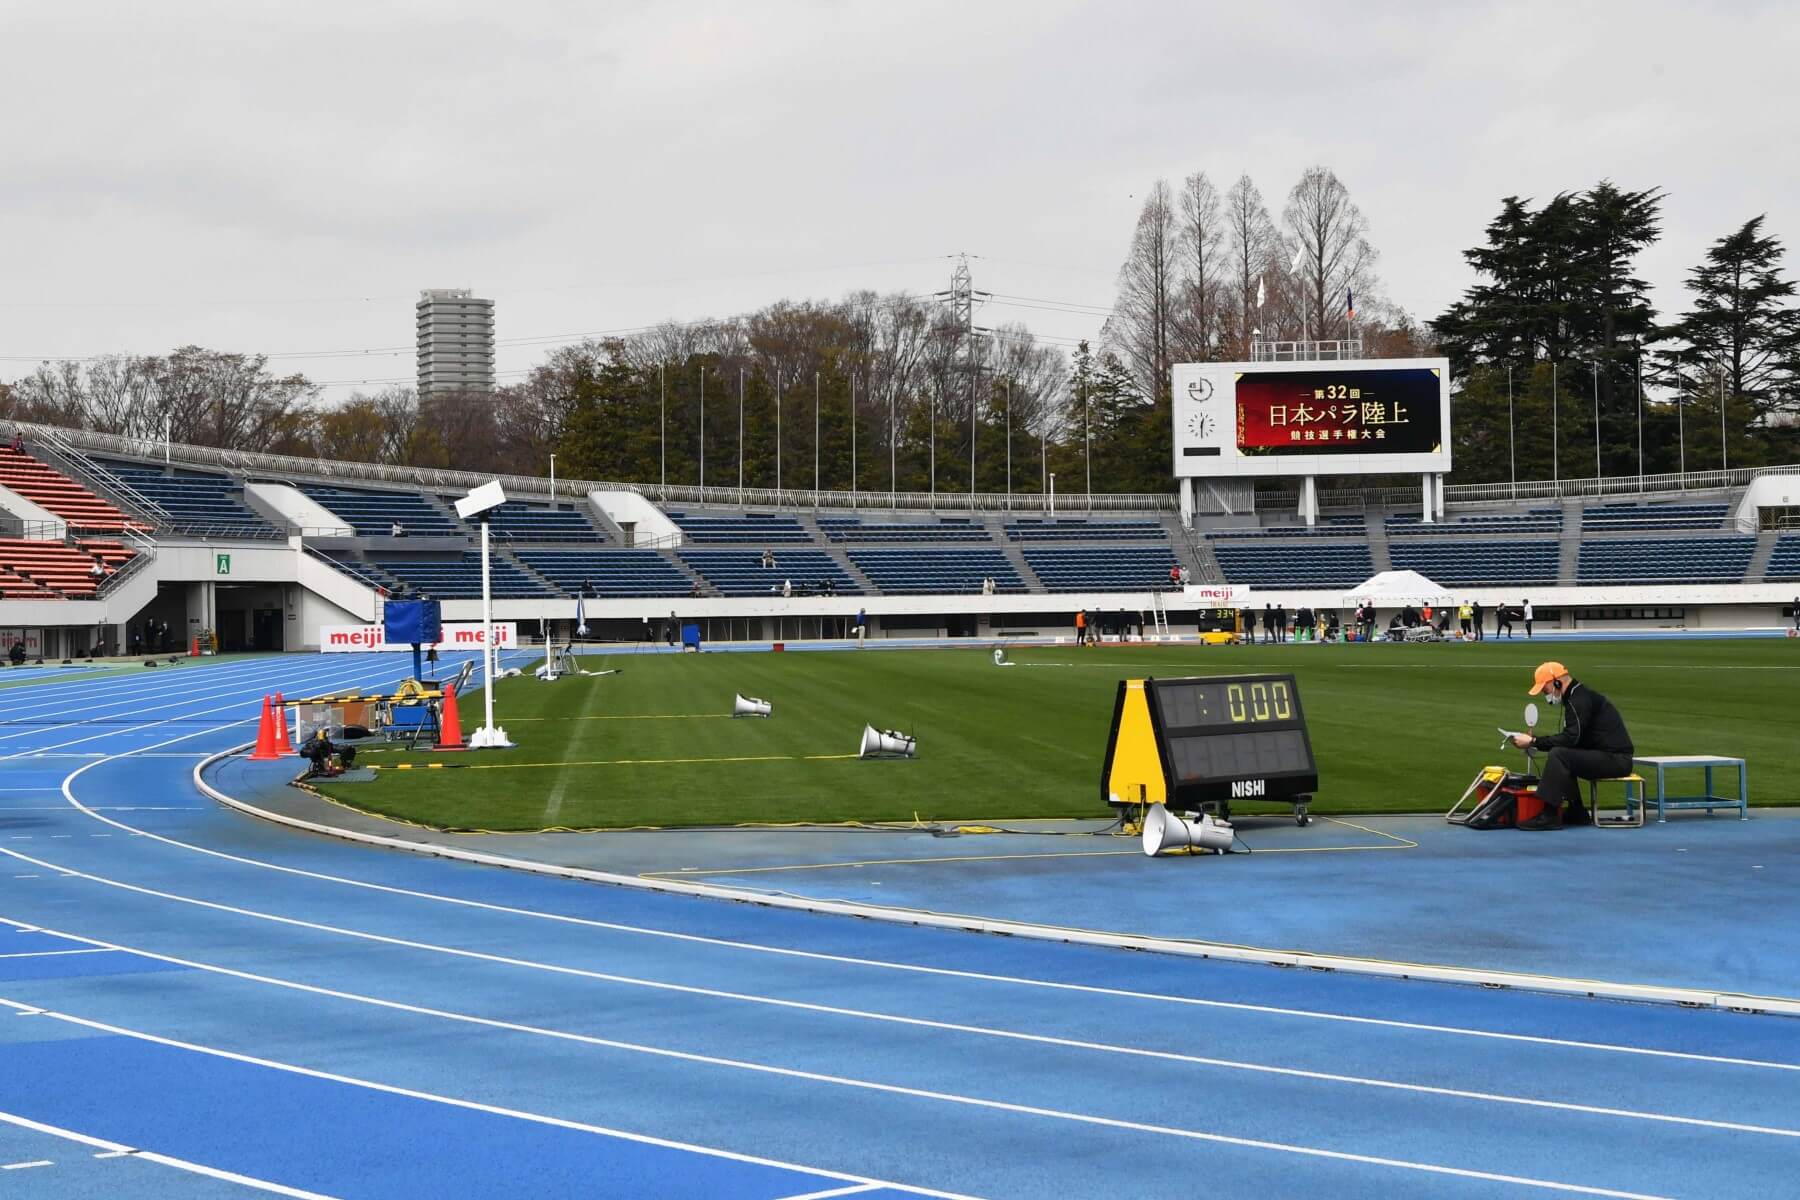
column 750, row 706
column 1165, row 832
column 887, row 743
column 1000, row 659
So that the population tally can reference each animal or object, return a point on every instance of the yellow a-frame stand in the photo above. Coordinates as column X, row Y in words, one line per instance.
column 1134, row 773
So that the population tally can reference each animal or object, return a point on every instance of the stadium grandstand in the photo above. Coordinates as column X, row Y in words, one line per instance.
column 109, row 544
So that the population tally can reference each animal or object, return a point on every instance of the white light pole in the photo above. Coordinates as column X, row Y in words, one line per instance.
column 662, row 411
column 778, row 433
column 853, row 434
column 1512, row 453
column 1596, row 366
column 1555, row 465
column 740, row 436
column 1050, row 499
column 480, row 502
column 553, row 483
column 1724, row 462
column 1087, row 446
column 1009, row 441
column 815, row 436
column 703, row 431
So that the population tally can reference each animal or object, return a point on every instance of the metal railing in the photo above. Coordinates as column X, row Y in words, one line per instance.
column 52, row 447
column 808, row 500
column 143, row 554
column 1306, row 351
column 36, row 531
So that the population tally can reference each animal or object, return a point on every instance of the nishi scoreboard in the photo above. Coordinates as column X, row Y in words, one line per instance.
column 1202, row 743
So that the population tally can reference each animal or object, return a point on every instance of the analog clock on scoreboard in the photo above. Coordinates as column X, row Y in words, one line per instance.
column 1206, row 742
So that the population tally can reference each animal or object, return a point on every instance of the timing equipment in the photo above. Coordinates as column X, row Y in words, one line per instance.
column 1199, row 744
column 887, row 743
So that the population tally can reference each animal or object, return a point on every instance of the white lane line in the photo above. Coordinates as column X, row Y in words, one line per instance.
column 453, row 1102
column 24, row 1166
column 1012, row 1035
column 843, row 1191
column 940, row 972
column 54, row 953
column 839, row 1080
column 118, row 1150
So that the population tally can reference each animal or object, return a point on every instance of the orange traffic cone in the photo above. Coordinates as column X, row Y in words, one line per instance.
column 282, row 744
column 265, row 736
column 450, row 735
column 194, row 649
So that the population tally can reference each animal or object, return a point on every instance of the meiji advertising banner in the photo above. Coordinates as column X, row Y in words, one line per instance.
column 457, row 635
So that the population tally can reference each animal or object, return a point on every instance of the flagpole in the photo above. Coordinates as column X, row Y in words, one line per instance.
column 1512, row 451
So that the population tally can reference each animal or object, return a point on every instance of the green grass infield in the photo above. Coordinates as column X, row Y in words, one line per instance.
column 1394, row 729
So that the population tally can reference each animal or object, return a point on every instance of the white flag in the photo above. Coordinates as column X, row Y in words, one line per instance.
column 581, row 629
column 1294, row 267
column 1259, row 292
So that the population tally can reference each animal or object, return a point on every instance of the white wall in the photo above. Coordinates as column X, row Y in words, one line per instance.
column 630, row 508
column 284, row 504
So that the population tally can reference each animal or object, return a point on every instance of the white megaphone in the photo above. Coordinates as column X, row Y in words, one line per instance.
column 1000, row 657
column 1164, row 832
column 750, row 706
column 887, row 743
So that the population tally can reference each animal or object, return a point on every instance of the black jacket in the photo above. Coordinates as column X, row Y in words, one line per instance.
column 1590, row 722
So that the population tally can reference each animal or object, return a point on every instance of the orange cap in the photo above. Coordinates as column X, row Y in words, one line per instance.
column 1545, row 673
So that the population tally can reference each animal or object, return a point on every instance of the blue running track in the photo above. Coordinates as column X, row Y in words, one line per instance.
column 197, row 1004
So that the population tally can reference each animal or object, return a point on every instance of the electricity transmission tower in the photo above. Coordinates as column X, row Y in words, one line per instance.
column 961, row 300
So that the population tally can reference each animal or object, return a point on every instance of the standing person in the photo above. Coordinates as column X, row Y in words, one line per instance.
column 1281, row 622
column 1268, row 623
column 1480, row 634
column 1502, row 620
column 1527, row 615
column 1080, row 627
column 1175, row 575
column 1593, row 744
column 1464, row 613
column 862, row 625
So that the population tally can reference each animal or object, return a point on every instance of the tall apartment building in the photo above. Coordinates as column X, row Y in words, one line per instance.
column 455, row 341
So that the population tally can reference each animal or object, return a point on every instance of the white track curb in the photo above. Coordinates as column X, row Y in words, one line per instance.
column 1601, row 989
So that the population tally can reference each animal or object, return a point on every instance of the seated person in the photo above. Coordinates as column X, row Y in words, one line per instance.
column 320, row 751
column 17, row 654
column 1593, row 744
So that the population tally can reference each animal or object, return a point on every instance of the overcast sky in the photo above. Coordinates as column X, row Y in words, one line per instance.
column 284, row 178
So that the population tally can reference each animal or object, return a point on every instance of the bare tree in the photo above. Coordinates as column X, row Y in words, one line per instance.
column 1335, row 255
column 1141, row 326
column 1199, row 239
column 1250, row 240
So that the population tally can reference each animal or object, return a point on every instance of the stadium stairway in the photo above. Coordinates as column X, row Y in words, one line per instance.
column 707, row 588
column 1380, row 553
column 1765, row 550
column 1015, row 554
column 1568, row 561
column 526, row 569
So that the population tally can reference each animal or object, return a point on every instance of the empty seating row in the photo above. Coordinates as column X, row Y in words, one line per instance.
column 516, row 521
column 921, row 572
column 1494, row 561
column 1666, row 560
column 58, row 493
column 193, row 498
column 1653, row 516
column 1784, row 563
column 741, row 573
column 459, row 578
column 1100, row 568
column 1328, row 528
column 1537, row 520
column 1083, row 531
column 603, row 573
column 375, row 513
column 756, row 528
column 858, row 530
column 1295, row 566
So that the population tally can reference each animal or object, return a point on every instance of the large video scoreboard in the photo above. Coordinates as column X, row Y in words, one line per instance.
column 1359, row 416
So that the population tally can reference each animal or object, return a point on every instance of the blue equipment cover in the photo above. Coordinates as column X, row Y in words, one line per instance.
column 413, row 622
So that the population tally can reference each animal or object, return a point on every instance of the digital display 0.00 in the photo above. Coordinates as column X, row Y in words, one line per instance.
column 1225, row 702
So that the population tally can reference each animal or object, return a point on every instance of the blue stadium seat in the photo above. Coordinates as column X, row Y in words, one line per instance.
column 1606, row 517
column 773, row 529
column 459, row 578
column 1487, row 561
column 516, row 521
column 1052, row 530
column 1297, row 566
column 611, row 572
column 374, row 513
column 921, row 572
column 1666, row 560
column 1537, row 520
column 741, row 573
column 857, row 531
column 1784, row 563
column 195, row 499
column 1101, row 568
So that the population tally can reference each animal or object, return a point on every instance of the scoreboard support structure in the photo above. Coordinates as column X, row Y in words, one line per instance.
column 1198, row 744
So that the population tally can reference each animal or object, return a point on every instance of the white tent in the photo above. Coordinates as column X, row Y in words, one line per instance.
column 1397, row 589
